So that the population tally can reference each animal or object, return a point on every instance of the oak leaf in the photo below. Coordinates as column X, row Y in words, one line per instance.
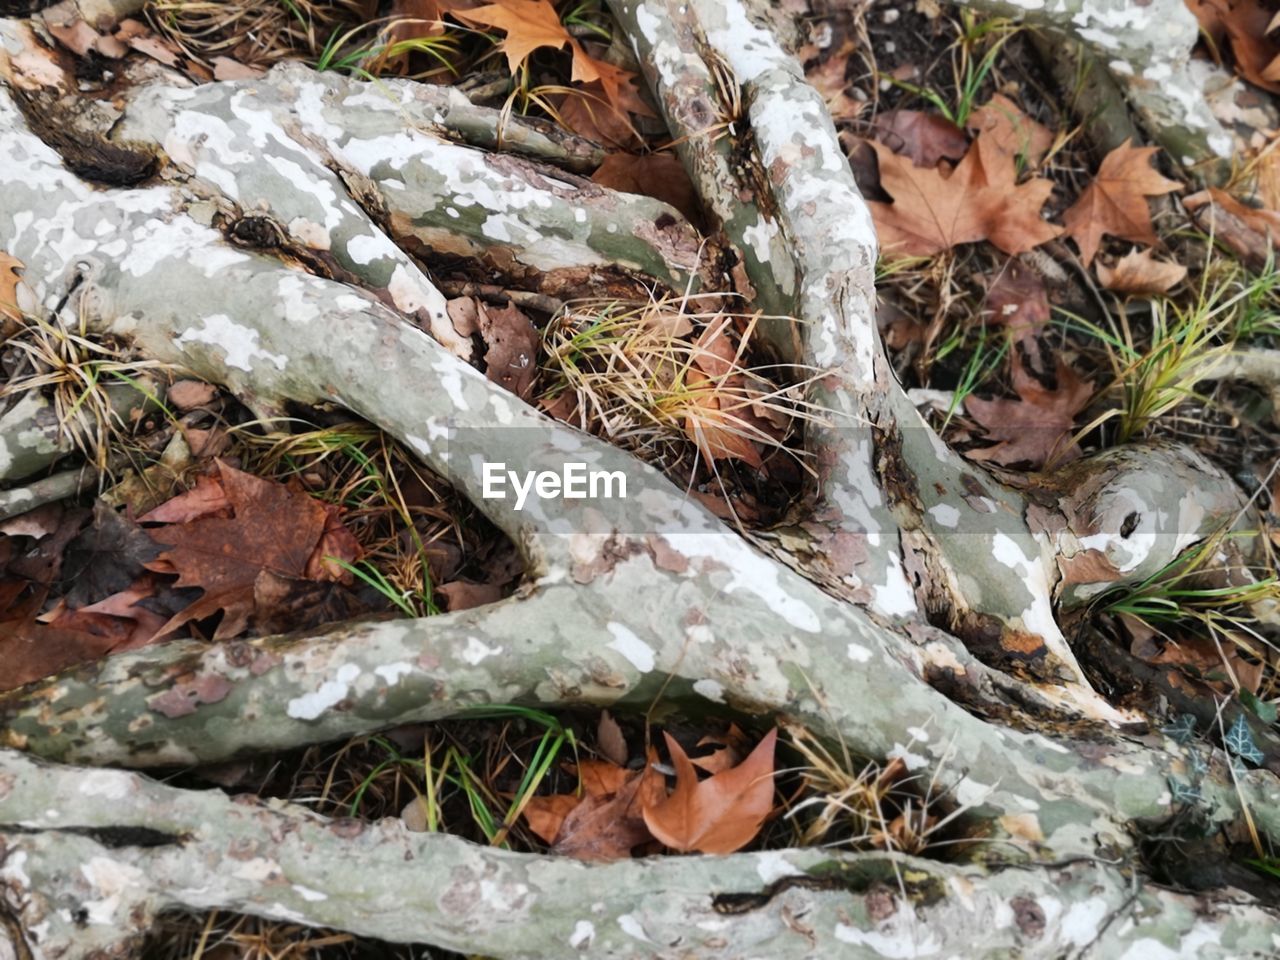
column 1139, row 272
column 1036, row 428
column 1115, row 203
column 720, row 814
column 980, row 200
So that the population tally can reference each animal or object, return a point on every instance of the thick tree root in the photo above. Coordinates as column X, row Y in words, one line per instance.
column 339, row 179
column 100, row 853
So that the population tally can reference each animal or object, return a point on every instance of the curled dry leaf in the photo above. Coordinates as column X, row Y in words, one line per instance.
column 1139, row 272
column 1115, row 203
column 610, row 739
column 1251, row 233
column 1246, row 26
column 606, row 822
column 720, row 814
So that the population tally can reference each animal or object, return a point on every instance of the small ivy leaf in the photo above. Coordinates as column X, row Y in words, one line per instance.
column 1239, row 740
column 1184, row 792
column 1262, row 709
column 1199, row 765
column 1182, row 730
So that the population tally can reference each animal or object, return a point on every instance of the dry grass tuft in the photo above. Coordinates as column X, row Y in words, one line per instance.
column 672, row 382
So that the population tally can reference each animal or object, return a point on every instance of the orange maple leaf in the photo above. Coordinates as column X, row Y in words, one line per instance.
column 529, row 25
column 980, row 200
column 1116, row 202
column 720, row 814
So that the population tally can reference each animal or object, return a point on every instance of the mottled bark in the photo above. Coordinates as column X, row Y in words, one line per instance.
column 281, row 245
column 103, row 851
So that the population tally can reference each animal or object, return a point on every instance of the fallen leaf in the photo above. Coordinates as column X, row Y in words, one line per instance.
column 15, row 297
column 1252, row 234
column 1243, row 26
column 545, row 815
column 610, row 740
column 225, row 68
column 273, row 527
column 106, row 557
column 1011, row 130
column 31, row 650
column 607, row 822
column 189, row 394
column 529, row 25
column 1035, row 428
column 1139, row 272
column 718, row 433
column 586, row 111
column 720, row 814
column 37, row 523
column 1115, row 203
column 464, row 595
column 1017, row 299
column 732, row 747
column 979, row 200
column 657, row 175
column 81, row 39
column 512, row 354
column 206, row 499
column 924, row 137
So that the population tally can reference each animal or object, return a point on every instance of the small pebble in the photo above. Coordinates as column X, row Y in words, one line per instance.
column 891, row 16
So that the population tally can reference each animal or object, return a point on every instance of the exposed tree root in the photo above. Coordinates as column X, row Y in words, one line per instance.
column 273, row 252
column 102, row 852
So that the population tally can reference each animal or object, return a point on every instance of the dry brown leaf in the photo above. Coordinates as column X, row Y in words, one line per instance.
column 657, row 175
column 1139, row 272
column 720, row 814
column 1251, row 233
column 12, row 297
column 1036, row 428
column 545, row 815
column 1115, row 203
column 274, row 527
column 512, row 355
column 1243, row 26
column 205, row 499
column 610, row 740
column 1017, row 299
column 1012, row 130
column 979, row 200
column 188, row 394
column 465, row 595
column 924, row 137
column 529, row 25
column 607, row 821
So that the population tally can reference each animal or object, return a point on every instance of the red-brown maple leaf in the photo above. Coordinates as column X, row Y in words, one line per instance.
column 980, row 200
column 274, row 528
column 1115, row 203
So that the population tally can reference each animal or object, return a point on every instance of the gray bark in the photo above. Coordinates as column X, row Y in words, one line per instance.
column 837, row 624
